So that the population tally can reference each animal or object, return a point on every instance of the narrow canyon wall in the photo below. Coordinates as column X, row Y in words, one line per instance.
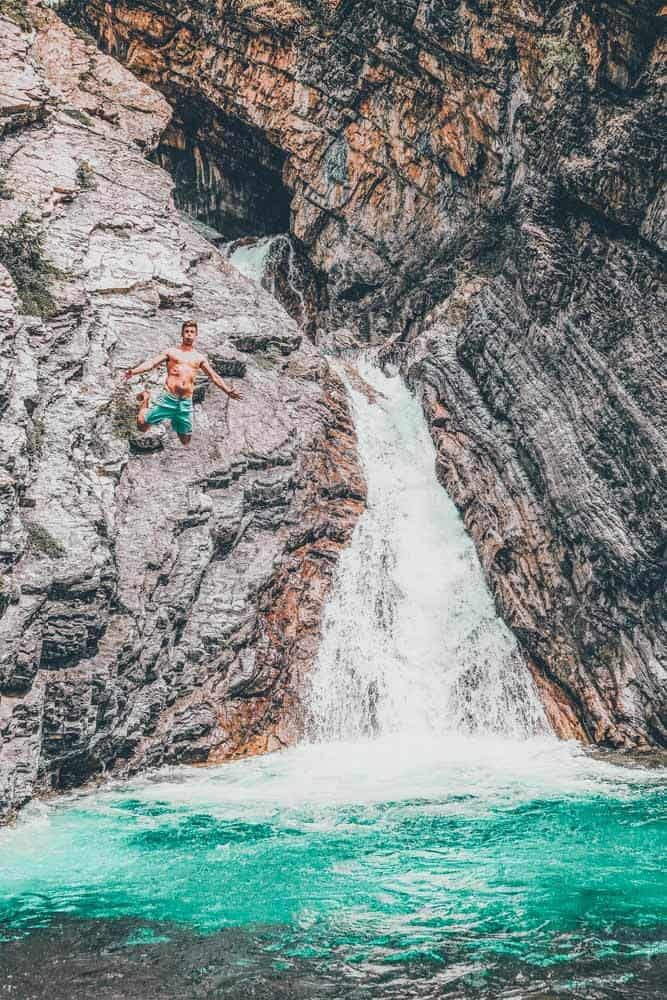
column 157, row 604
column 480, row 186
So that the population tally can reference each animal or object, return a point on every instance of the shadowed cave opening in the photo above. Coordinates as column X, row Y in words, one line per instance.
column 228, row 181
column 227, row 174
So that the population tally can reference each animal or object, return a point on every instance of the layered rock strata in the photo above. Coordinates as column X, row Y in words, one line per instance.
column 480, row 185
column 158, row 604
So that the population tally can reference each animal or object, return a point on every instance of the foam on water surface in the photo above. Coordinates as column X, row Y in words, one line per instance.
column 489, row 849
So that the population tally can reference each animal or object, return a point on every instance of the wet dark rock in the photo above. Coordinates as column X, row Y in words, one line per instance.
column 292, row 279
column 131, row 959
column 227, row 366
column 263, row 343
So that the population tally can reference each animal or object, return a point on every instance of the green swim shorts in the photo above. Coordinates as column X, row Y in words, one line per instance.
column 178, row 409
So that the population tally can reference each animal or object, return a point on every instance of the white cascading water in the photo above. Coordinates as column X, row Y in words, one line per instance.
column 250, row 258
column 412, row 644
column 292, row 275
column 255, row 260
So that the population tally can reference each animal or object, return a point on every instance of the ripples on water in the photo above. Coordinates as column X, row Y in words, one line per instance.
column 464, row 867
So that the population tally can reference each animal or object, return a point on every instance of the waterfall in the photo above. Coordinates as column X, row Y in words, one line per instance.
column 272, row 262
column 250, row 257
column 411, row 640
column 292, row 275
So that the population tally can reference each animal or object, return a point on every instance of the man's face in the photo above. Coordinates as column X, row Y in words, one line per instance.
column 189, row 335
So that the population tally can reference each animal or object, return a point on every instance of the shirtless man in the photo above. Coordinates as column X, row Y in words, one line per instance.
column 183, row 364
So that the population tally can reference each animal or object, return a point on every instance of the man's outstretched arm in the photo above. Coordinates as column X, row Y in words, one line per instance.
column 216, row 380
column 145, row 366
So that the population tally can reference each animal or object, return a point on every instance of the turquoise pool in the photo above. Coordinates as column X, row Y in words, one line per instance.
column 466, row 867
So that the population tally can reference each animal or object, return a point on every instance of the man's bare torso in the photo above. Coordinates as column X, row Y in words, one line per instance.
column 182, row 368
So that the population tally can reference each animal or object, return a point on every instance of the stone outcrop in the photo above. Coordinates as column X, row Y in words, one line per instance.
column 157, row 604
column 479, row 185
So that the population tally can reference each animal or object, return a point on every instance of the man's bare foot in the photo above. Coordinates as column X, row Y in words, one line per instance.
column 143, row 399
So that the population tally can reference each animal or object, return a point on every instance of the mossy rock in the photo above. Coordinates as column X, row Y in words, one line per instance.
column 6, row 193
column 85, row 177
column 34, row 437
column 123, row 412
column 16, row 11
column 78, row 116
column 41, row 541
column 22, row 253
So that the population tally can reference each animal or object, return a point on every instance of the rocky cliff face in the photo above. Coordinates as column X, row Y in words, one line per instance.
column 477, row 188
column 478, row 185
column 157, row 605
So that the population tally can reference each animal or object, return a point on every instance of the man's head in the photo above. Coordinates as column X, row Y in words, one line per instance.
column 189, row 332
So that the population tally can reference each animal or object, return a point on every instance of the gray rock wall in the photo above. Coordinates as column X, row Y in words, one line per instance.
column 481, row 183
column 158, row 604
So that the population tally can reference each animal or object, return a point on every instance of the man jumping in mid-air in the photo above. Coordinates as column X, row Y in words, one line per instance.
column 175, row 404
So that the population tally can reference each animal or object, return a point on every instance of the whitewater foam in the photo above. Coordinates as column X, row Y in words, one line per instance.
column 411, row 639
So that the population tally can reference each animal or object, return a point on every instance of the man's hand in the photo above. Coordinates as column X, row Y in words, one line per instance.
column 216, row 380
column 128, row 374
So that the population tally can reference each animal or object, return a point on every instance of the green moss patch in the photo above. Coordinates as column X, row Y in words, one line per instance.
column 6, row 192
column 41, row 540
column 34, row 437
column 22, row 253
column 78, row 116
column 123, row 413
column 85, row 176
column 16, row 11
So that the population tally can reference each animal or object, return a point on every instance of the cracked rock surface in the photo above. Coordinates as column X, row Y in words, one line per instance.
column 480, row 185
column 158, row 604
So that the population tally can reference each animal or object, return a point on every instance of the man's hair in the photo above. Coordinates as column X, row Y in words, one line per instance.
column 189, row 322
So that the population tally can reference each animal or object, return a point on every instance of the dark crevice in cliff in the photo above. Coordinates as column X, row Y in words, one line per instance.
column 576, row 210
column 226, row 173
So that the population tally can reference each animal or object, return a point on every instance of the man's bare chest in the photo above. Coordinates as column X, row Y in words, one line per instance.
column 177, row 362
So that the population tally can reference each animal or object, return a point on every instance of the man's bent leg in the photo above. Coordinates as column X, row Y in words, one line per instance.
column 163, row 409
column 144, row 402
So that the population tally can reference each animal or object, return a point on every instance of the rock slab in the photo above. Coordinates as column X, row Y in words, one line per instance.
column 158, row 604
